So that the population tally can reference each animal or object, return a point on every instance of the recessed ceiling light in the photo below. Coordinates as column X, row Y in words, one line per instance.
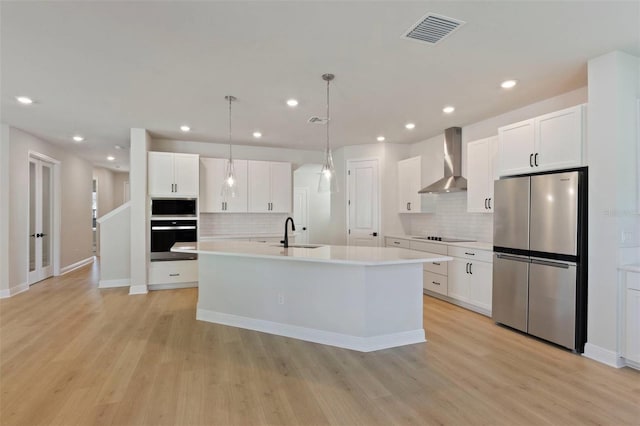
column 292, row 102
column 24, row 100
column 410, row 126
column 111, row 158
column 448, row 109
column 257, row 135
column 185, row 128
column 118, row 147
column 78, row 138
column 380, row 138
column 508, row 84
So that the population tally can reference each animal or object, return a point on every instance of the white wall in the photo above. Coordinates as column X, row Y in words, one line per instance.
column 140, row 144
column 242, row 152
column 612, row 144
column 105, row 187
column 4, row 207
column 319, row 204
column 115, row 251
column 119, row 179
column 76, row 177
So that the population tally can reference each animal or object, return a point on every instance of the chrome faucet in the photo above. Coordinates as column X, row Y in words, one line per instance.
column 286, row 234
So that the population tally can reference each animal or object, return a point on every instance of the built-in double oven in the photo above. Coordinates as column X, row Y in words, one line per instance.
column 172, row 221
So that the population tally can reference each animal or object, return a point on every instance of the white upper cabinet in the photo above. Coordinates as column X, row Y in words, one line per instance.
column 409, row 180
column 482, row 170
column 409, row 183
column 212, row 175
column 173, row 175
column 269, row 186
column 549, row 142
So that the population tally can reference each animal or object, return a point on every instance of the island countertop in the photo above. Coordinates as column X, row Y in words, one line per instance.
column 351, row 255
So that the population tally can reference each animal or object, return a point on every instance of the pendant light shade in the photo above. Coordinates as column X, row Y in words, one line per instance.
column 328, row 179
column 230, row 183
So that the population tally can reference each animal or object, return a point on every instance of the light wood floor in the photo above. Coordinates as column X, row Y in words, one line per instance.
column 73, row 354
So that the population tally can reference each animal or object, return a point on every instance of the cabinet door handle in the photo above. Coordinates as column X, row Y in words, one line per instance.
column 490, row 204
column 535, row 160
column 531, row 160
column 436, row 263
column 485, row 203
column 408, row 206
column 174, row 275
column 470, row 254
column 436, row 283
column 466, row 269
column 396, row 242
column 470, row 270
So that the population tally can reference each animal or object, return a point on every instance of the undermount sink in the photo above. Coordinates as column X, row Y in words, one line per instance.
column 308, row 246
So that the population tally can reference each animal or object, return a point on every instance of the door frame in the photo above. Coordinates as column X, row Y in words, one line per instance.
column 55, row 211
column 347, row 197
column 305, row 190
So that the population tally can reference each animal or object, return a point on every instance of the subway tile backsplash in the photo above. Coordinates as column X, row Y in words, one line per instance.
column 452, row 220
column 212, row 224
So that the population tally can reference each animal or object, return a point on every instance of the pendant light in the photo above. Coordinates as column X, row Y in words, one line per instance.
column 328, row 180
column 230, row 184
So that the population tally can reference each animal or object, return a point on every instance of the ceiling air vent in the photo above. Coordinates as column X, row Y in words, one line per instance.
column 318, row 120
column 433, row 28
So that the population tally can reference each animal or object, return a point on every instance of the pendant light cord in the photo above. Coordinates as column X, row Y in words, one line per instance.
column 230, row 156
column 328, row 117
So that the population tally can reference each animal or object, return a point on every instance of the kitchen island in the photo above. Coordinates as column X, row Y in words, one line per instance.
column 360, row 298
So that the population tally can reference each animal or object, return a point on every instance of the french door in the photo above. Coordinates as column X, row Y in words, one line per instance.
column 40, row 220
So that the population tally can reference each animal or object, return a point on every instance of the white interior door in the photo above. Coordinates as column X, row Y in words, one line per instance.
column 40, row 220
column 363, row 200
column 301, row 214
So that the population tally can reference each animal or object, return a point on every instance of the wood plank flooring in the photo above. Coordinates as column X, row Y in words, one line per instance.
column 71, row 354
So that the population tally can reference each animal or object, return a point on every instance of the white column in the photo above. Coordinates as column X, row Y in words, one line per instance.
column 140, row 142
column 612, row 159
column 4, row 209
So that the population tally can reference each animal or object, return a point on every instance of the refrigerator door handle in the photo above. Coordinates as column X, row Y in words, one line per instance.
column 515, row 258
column 550, row 263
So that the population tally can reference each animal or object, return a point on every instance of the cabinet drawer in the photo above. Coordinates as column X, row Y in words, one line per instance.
column 472, row 254
column 429, row 247
column 179, row 271
column 436, row 267
column 396, row 242
column 434, row 282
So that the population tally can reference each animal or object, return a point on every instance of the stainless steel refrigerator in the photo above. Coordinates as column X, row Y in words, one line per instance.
column 539, row 266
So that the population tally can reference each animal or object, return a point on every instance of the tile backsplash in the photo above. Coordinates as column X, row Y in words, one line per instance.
column 452, row 220
column 212, row 224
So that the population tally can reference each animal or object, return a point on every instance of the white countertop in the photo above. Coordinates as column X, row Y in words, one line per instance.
column 479, row 245
column 243, row 236
column 352, row 255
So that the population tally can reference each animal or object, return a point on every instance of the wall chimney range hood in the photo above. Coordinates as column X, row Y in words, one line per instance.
column 453, row 181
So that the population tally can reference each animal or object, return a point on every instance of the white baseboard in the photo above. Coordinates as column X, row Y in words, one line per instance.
column 362, row 344
column 12, row 291
column 605, row 356
column 469, row 306
column 138, row 289
column 76, row 265
column 632, row 364
column 172, row 286
column 122, row 282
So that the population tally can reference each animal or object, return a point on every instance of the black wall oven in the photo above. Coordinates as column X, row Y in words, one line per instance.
column 165, row 233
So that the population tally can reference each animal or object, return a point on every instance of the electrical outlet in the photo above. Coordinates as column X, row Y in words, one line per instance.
column 280, row 299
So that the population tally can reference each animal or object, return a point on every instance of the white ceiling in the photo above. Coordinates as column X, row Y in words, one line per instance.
column 100, row 68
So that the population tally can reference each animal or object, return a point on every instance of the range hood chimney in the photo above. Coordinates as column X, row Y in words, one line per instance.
column 452, row 180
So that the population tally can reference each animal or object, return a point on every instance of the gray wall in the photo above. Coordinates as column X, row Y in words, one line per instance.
column 75, row 184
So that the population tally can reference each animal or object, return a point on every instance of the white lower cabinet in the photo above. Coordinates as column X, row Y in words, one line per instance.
column 631, row 319
column 173, row 272
column 471, row 278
